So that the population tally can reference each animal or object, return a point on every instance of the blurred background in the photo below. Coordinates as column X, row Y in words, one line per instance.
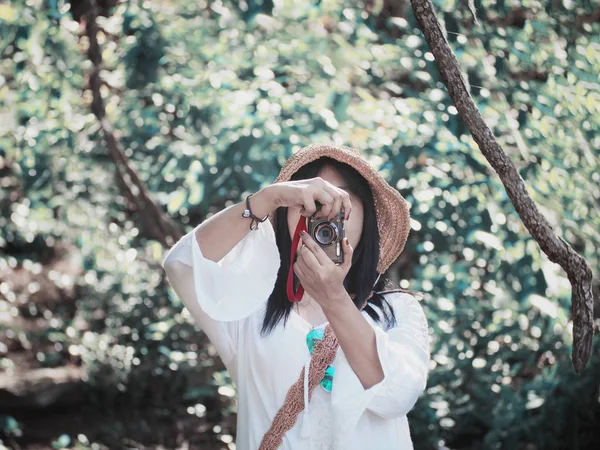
column 125, row 123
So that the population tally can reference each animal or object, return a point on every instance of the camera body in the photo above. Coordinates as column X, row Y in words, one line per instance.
column 329, row 235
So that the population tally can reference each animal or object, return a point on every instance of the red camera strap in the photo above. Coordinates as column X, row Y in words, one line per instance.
column 295, row 296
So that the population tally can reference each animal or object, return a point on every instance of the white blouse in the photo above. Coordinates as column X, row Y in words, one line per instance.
column 227, row 299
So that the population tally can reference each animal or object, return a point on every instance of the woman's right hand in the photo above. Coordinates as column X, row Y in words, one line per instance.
column 304, row 193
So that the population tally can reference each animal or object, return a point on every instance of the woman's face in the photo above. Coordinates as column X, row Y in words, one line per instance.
column 353, row 226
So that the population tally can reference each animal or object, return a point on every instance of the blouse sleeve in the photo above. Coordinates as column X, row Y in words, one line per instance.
column 404, row 355
column 220, row 294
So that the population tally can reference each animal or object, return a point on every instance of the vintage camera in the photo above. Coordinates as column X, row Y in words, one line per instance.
column 328, row 234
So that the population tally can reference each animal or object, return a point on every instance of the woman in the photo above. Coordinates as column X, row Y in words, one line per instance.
column 340, row 368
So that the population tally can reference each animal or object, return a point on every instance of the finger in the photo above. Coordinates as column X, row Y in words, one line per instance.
column 310, row 260
column 347, row 204
column 336, row 196
column 308, row 205
column 348, row 252
column 299, row 271
column 326, row 199
column 316, row 250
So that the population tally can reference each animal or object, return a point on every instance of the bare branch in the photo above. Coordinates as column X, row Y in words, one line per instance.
column 155, row 222
column 557, row 250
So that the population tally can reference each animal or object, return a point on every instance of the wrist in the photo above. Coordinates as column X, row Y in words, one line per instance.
column 337, row 303
column 263, row 202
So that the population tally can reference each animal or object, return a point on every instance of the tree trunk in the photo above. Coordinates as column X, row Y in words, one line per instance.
column 154, row 223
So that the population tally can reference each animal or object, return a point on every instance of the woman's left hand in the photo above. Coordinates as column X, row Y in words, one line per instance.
column 321, row 278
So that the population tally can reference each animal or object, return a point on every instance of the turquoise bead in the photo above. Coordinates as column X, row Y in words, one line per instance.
column 327, row 381
column 311, row 339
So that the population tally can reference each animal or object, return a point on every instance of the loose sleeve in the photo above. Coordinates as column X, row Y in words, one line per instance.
column 404, row 355
column 220, row 294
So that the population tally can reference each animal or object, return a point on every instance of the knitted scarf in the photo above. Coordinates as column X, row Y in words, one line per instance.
column 323, row 355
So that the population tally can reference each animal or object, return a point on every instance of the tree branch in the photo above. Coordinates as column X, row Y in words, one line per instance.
column 557, row 250
column 155, row 222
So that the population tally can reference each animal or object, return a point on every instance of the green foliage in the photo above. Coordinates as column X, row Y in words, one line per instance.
column 9, row 426
column 210, row 98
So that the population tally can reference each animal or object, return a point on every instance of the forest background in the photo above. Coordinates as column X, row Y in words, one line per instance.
column 123, row 124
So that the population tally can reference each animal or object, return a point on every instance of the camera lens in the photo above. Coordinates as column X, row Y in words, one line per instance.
column 325, row 233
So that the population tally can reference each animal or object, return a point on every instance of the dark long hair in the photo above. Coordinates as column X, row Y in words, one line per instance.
column 362, row 275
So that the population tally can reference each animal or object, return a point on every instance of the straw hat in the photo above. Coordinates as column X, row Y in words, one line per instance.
column 392, row 210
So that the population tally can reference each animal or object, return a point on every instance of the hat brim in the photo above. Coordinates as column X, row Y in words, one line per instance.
column 391, row 208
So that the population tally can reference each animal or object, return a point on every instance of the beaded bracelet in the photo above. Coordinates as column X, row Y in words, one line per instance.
column 248, row 213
